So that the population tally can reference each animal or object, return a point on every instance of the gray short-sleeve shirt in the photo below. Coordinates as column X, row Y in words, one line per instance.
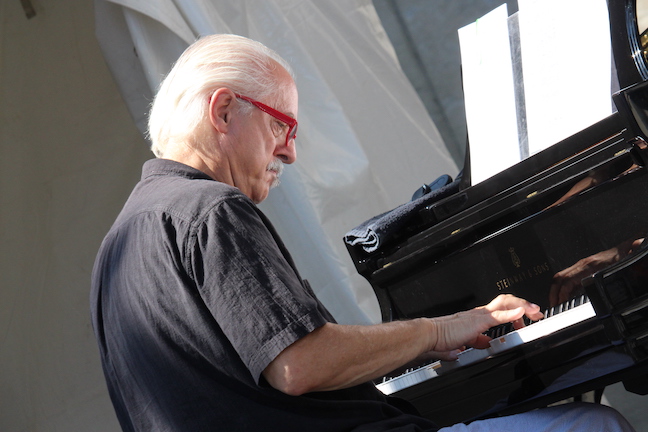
column 193, row 295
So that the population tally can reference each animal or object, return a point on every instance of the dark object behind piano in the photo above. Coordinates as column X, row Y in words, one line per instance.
column 512, row 233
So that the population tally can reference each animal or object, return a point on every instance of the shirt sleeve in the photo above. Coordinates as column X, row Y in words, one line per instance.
column 246, row 279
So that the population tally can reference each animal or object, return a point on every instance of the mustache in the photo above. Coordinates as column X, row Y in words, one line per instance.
column 277, row 166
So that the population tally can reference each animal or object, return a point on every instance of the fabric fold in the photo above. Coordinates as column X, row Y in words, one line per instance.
column 375, row 232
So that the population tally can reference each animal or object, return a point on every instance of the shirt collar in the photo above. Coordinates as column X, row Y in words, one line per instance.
column 156, row 167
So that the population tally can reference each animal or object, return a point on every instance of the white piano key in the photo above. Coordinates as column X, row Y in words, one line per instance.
column 409, row 379
column 466, row 357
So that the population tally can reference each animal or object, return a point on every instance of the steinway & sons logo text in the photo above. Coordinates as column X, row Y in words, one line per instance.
column 524, row 274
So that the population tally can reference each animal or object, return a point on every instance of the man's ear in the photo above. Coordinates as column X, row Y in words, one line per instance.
column 221, row 107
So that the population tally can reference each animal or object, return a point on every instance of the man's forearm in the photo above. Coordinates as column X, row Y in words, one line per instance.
column 338, row 356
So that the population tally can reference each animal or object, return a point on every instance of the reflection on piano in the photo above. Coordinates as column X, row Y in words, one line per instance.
column 513, row 233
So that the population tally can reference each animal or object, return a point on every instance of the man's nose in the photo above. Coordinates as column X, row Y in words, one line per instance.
column 287, row 152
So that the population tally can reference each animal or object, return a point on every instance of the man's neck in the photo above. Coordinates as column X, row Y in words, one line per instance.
column 210, row 165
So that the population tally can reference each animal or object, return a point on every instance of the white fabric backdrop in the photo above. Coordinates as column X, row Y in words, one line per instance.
column 69, row 156
column 365, row 140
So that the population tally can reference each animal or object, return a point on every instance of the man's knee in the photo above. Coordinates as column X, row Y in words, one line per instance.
column 599, row 417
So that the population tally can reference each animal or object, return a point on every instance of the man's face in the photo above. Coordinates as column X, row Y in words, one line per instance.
column 257, row 156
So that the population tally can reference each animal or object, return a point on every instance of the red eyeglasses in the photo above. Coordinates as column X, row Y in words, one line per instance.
column 291, row 122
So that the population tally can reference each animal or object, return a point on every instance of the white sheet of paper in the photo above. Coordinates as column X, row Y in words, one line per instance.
column 489, row 95
column 566, row 58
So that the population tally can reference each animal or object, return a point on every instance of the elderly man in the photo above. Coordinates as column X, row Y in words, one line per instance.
column 202, row 319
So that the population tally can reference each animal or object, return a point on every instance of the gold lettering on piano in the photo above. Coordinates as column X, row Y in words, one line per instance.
column 529, row 273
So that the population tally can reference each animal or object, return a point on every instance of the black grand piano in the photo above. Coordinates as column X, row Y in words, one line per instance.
column 581, row 202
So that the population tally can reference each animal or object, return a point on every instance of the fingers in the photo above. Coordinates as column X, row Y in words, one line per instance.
column 518, row 324
column 480, row 342
column 509, row 315
column 508, row 303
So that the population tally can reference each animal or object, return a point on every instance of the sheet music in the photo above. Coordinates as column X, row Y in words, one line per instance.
column 562, row 68
column 489, row 95
column 566, row 58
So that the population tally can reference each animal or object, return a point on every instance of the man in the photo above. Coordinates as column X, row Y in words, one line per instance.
column 202, row 319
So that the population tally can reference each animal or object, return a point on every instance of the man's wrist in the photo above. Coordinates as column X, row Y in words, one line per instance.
column 430, row 332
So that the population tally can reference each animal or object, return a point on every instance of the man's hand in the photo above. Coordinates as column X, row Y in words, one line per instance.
column 466, row 328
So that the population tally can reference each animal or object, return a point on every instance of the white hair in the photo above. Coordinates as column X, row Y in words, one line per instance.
column 181, row 104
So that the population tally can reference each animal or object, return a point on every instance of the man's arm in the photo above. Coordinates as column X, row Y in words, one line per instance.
column 339, row 356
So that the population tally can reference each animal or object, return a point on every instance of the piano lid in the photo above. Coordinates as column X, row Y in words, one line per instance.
column 631, row 68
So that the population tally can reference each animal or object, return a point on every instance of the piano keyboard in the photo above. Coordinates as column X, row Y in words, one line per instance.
column 556, row 318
